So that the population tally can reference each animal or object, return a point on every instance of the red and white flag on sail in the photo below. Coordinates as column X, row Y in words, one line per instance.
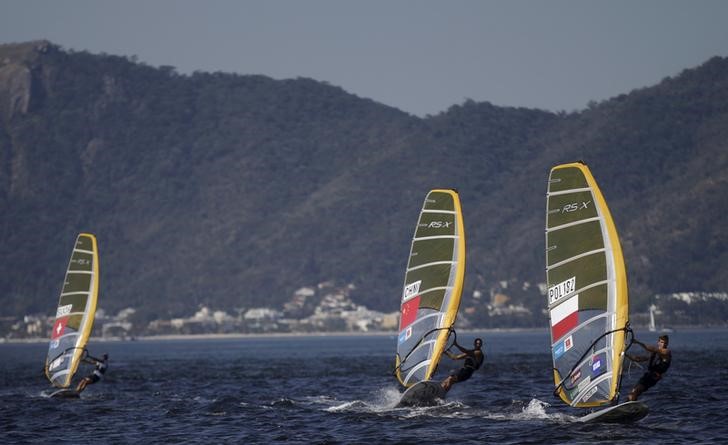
column 564, row 317
column 59, row 327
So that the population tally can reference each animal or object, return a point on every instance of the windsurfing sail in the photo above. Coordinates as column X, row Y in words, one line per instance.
column 432, row 287
column 75, row 313
column 587, row 289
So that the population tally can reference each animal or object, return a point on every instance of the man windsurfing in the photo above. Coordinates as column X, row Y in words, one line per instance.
column 657, row 364
column 473, row 360
column 100, row 366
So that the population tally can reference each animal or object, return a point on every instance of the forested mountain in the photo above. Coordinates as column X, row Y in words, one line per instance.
column 232, row 190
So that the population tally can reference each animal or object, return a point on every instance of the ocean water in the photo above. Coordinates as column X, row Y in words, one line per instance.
column 339, row 389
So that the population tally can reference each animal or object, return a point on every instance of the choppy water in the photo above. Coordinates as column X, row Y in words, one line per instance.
column 338, row 389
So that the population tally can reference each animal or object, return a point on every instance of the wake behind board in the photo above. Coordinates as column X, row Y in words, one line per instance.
column 66, row 393
column 623, row 413
column 425, row 393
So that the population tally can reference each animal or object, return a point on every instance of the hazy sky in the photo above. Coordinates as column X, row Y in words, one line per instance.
column 419, row 56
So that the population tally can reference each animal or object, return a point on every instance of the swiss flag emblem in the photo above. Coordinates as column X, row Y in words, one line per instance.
column 59, row 327
column 409, row 312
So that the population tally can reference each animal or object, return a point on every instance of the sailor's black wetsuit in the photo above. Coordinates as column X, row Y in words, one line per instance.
column 472, row 363
column 99, row 371
column 656, row 368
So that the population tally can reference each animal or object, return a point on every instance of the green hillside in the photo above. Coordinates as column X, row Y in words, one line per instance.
column 233, row 191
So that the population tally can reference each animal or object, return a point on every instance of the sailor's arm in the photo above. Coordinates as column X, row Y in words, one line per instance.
column 463, row 350
column 647, row 348
column 455, row 356
column 636, row 358
column 663, row 352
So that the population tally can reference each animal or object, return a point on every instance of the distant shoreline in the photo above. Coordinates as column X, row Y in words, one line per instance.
column 177, row 337
column 174, row 337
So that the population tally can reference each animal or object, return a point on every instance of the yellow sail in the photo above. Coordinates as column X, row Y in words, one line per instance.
column 587, row 289
column 432, row 288
column 75, row 313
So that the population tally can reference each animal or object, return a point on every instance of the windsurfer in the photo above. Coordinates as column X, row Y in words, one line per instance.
column 100, row 366
column 473, row 359
column 657, row 364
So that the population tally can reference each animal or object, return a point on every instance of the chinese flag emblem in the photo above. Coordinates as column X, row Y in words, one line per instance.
column 59, row 327
column 409, row 312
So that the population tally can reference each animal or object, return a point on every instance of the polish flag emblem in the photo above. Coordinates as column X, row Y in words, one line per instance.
column 59, row 327
column 564, row 317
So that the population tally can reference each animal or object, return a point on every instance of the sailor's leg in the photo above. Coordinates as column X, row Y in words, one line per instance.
column 82, row 384
column 636, row 391
column 446, row 383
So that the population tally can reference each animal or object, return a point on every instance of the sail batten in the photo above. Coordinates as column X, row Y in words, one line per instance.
column 587, row 289
column 447, row 212
column 575, row 257
column 418, row 368
column 432, row 287
column 434, row 263
column 425, row 319
column 571, row 224
column 75, row 312
column 72, row 334
column 568, row 191
column 436, row 289
column 436, row 237
column 65, row 294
